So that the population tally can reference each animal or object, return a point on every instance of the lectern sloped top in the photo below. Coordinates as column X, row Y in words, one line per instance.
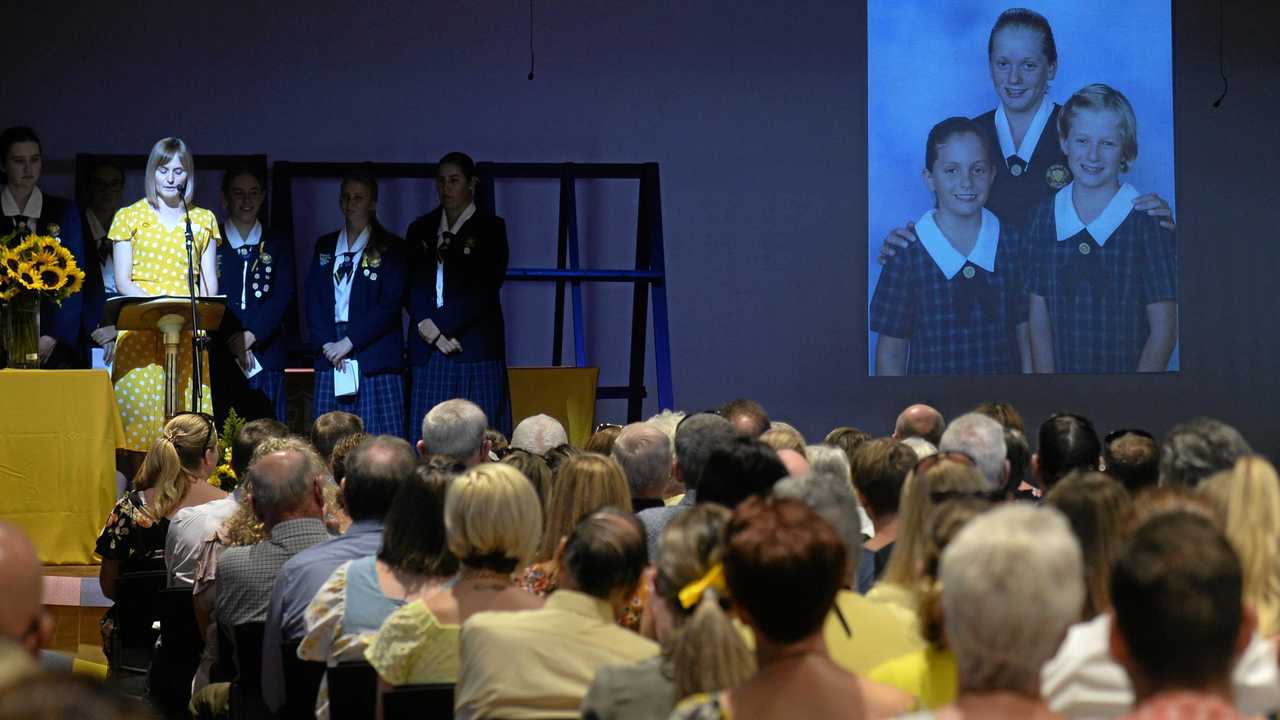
column 144, row 313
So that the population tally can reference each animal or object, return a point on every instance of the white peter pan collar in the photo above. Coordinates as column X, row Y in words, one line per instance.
column 1069, row 224
column 947, row 258
column 237, row 242
column 344, row 245
column 9, row 206
column 1030, row 140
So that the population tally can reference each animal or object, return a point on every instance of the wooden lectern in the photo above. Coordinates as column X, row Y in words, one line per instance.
column 170, row 315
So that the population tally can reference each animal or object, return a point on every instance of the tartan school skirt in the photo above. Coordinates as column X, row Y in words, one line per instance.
column 271, row 384
column 441, row 378
column 379, row 402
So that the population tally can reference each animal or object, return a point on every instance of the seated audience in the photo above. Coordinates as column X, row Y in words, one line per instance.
column 602, row 440
column 1002, row 638
column 702, row 649
column 666, row 422
column 534, row 469
column 559, row 647
column 771, row 546
column 1180, row 618
column 331, row 427
column 455, row 429
column 748, row 417
column 1099, row 509
column 739, row 470
column 781, row 436
column 827, row 460
column 1066, row 442
column 920, row 421
column 23, row 619
column 982, row 439
column 1247, row 501
column 558, row 455
column 341, row 450
column 413, row 561
column 492, row 521
column 921, row 447
column 880, row 469
column 1018, row 453
column 644, row 454
column 1133, row 458
column 795, row 462
column 538, row 434
column 696, row 437
column 848, row 439
column 860, row 634
column 1002, row 412
column 1196, row 449
column 498, row 443
column 376, row 470
column 63, row 696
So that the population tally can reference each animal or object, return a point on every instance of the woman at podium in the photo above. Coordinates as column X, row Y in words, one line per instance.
column 150, row 254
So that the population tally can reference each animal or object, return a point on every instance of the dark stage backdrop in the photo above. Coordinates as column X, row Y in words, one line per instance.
column 756, row 112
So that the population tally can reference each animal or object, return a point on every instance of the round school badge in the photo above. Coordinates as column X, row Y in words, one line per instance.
column 1015, row 170
column 373, row 277
column 266, row 259
column 1057, row 176
column 257, row 293
column 1084, row 248
column 969, row 272
column 55, row 229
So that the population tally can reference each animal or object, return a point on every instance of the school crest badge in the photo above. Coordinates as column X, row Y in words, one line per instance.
column 1057, row 176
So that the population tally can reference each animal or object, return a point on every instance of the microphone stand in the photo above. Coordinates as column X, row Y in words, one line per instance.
column 198, row 339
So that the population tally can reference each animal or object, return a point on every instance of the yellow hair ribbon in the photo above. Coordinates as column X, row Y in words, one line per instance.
column 692, row 593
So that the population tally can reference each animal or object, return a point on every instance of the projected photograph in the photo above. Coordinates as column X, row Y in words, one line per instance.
column 1021, row 188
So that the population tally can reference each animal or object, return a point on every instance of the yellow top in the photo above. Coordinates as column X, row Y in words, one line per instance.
column 928, row 674
column 160, row 252
column 877, row 633
column 414, row 648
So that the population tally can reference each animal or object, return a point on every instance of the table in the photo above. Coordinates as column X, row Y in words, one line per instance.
column 59, row 430
column 567, row 394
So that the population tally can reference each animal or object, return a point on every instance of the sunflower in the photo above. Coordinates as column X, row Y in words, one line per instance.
column 43, row 256
column 28, row 277
column 51, row 277
column 64, row 258
column 11, row 261
column 26, row 247
column 75, row 279
column 9, row 287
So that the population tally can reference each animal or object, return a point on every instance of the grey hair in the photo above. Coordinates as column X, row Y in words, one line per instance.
column 454, row 428
column 829, row 495
column 830, row 461
column 285, row 489
column 981, row 438
column 644, row 452
column 538, row 434
column 1194, row 450
column 1012, row 583
column 696, row 438
column 921, row 447
column 667, row 421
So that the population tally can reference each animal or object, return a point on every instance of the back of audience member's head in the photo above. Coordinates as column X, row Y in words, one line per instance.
column 187, row 448
column 945, row 521
column 772, row 547
column 1247, row 501
column 644, row 453
column 68, row 696
column 1162, row 500
column 342, row 451
column 935, row 478
column 1018, row 453
column 1178, row 593
column 921, row 447
column 982, row 439
column 1002, row 639
column 705, row 649
column 286, row 478
column 331, row 427
column 828, row 495
column 748, row 416
column 602, row 440
column 736, row 471
column 250, row 436
column 1099, row 510
column 1066, row 442
column 455, row 428
column 585, row 483
column 414, row 539
column 830, row 461
column 376, row 469
column 493, row 518
column 1002, row 412
column 783, row 438
column 535, row 470
column 1194, row 450
column 605, row 555
column 848, row 439
column 880, row 467
column 920, row 421
column 538, row 434
column 1132, row 459
column 558, row 455
column 498, row 443
column 696, row 438
column 23, row 619
column 666, row 422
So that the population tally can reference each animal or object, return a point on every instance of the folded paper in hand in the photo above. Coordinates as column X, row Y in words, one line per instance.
column 346, row 378
column 251, row 367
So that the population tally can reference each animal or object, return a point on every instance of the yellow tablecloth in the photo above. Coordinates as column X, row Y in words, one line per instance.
column 59, row 430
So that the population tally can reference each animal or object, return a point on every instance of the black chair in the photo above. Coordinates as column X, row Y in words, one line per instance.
column 136, row 613
column 353, row 690
column 419, row 702
column 246, row 689
column 179, row 654
column 301, row 684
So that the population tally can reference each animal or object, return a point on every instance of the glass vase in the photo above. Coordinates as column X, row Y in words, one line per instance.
column 20, row 331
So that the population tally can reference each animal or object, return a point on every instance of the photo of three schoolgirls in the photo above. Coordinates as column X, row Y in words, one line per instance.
column 1025, row 232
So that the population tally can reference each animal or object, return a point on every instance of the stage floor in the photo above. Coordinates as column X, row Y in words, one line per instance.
column 76, row 604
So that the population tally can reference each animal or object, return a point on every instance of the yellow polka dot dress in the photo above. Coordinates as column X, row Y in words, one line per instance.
column 159, row 268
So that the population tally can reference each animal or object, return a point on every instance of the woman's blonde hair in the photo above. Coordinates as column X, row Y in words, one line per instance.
column 1247, row 500
column 705, row 651
column 492, row 517
column 173, row 458
column 583, row 484
column 161, row 154
column 1099, row 510
column 947, row 476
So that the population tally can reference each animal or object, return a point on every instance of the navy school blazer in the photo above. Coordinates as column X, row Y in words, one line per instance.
column 475, row 265
column 94, row 290
column 270, row 291
column 377, row 296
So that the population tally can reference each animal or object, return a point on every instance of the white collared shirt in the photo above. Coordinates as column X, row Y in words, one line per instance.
column 445, row 227
column 35, row 206
column 108, row 266
column 1030, row 140
column 947, row 258
column 237, row 242
column 342, row 288
column 1067, row 221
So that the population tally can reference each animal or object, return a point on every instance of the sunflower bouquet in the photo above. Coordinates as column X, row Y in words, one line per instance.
column 39, row 266
column 224, row 476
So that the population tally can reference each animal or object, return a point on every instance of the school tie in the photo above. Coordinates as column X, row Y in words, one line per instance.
column 345, row 267
column 446, row 241
column 1017, row 165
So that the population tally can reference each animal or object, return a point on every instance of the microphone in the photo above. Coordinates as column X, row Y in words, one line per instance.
column 182, row 189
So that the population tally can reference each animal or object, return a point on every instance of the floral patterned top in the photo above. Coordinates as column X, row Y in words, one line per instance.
column 132, row 534
column 540, row 580
column 413, row 647
column 702, row 706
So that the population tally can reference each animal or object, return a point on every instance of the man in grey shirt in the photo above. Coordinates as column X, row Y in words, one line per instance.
column 696, row 436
